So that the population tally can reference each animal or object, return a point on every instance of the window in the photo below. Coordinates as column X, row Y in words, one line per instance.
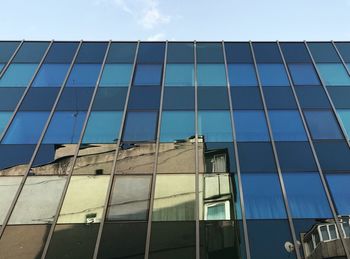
column 250, row 125
column 277, row 97
column 272, row 75
column 344, row 49
column 322, row 125
column 287, row 125
column 115, row 75
column 210, row 52
column 215, row 126
column 339, row 186
column 238, row 52
column 26, row 128
column 212, row 98
column 333, row 155
column 121, row 52
column 140, row 126
column 303, row 74
column 151, row 52
column 103, row 127
column 177, row 125
column 7, row 48
column 295, row 52
column 178, row 98
column 179, row 75
column 180, row 52
column 242, row 75
column 51, row 75
column 333, row 74
column 144, row 97
column 312, row 97
column 91, row 52
column 345, row 119
column 61, row 52
column 246, row 98
column 4, row 118
column 323, row 52
column 267, row 52
column 84, row 75
column 65, row 127
column 110, row 99
column 31, row 52
column 256, row 157
column 211, row 75
column 18, row 75
column 148, row 74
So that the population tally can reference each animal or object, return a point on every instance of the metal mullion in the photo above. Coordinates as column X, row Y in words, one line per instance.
column 70, row 173
column 319, row 168
column 279, row 172
column 154, row 175
column 11, row 59
column 328, row 96
column 196, row 154
column 238, row 168
column 110, row 183
column 27, row 87
column 8, row 215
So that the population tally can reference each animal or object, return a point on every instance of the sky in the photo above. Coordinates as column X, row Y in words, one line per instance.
column 236, row 20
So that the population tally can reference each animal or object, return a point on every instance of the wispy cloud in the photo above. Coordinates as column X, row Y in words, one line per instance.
column 156, row 37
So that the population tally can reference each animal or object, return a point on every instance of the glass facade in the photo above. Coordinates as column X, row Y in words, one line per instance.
column 208, row 150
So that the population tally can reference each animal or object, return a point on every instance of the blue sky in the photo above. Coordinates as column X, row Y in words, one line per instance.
column 175, row 19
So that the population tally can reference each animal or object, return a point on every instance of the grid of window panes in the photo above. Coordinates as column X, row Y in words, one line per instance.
column 206, row 150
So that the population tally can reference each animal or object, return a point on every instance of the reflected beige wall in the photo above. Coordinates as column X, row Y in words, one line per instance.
column 8, row 188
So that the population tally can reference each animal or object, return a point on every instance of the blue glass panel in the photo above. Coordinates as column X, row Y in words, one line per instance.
column 146, row 97
column 31, row 52
column 279, row 97
column 116, row 75
column 238, row 52
column 215, row 126
column 339, row 186
column 262, row 196
column 7, row 48
column 333, row 74
column 303, row 74
column 178, row 98
column 323, row 52
column 267, row 52
column 18, row 75
column 51, row 75
column 209, row 52
column 295, row 52
column 306, row 195
column 245, row 98
column 287, row 125
column 256, row 157
column 103, row 127
column 312, row 97
column 177, row 125
column 148, row 74
column 179, row 75
column 39, row 99
column 212, row 98
column 250, row 125
column 84, row 75
column 345, row 119
column 344, row 49
column 140, row 126
column 242, row 75
column 61, row 52
column 121, row 52
column 91, row 52
column 323, row 125
column 1, row 66
column 272, row 75
column 340, row 96
column 75, row 99
column 333, row 155
column 65, row 127
column 180, row 52
column 211, row 75
column 4, row 119
column 110, row 99
column 9, row 97
column 151, row 52
column 26, row 128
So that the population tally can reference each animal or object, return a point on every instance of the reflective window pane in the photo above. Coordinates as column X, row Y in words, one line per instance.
column 91, row 52
column 61, row 52
column 179, row 75
column 256, row 157
column 121, row 52
column 333, row 74
column 267, row 52
column 209, row 52
column 238, row 52
column 339, row 186
column 51, row 75
column 211, row 75
column 177, row 125
column 18, row 75
column 215, row 126
column 323, row 52
column 295, row 52
column 242, row 75
column 250, row 125
column 31, row 52
column 212, row 98
column 8, row 188
column 144, row 97
column 115, row 75
column 303, row 74
column 148, row 74
column 151, row 52
column 7, row 48
column 4, row 119
column 180, row 52
column 84, row 75
column 273, row 75
column 345, row 119
column 140, row 126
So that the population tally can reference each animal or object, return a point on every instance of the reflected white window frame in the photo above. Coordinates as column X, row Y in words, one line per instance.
column 215, row 204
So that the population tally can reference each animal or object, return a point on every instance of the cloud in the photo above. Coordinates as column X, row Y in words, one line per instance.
column 156, row 37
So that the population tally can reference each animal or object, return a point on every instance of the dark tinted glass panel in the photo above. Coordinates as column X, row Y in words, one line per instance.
column 303, row 74
column 4, row 118
column 238, row 53
column 287, row 125
column 180, row 53
column 75, row 98
column 147, row 74
column 339, row 186
column 215, row 126
column 26, row 128
column 178, row 98
column 51, row 75
column 177, row 125
column 18, row 75
column 272, row 75
column 256, row 157
column 65, row 127
column 108, row 99
column 13, row 155
column 306, row 195
column 212, row 98
column 84, row 75
column 333, row 155
column 123, row 240
column 73, row 241
column 323, row 52
column 323, row 125
column 179, row 75
column 267, row 53
column 344, row 115
column 91, row 52
column 295, row 52
column 31, row 52
column 151, row 52
column 116, row 75
column 144, row 98
column 262, row 196
column 246, row 98
column 344, row 49
column 120, row 52
column 209, row 53
column 61, row 52
column 7, row 49
column 242, row 75
column 140, row 126
column 250, row 125
column 295, row 156
column 173, row 240
column 340, row 96
column 9, row 97
column 312, row 97
column 279, row 98
column 39, row 99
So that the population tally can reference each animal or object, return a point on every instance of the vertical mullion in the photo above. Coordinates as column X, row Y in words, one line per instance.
column 110, row 184
column 283, row 189
column 8, row 215
column 69, row 174
column 324, row 184
column 328, row 96
column 238, row 168
column 154, row 175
